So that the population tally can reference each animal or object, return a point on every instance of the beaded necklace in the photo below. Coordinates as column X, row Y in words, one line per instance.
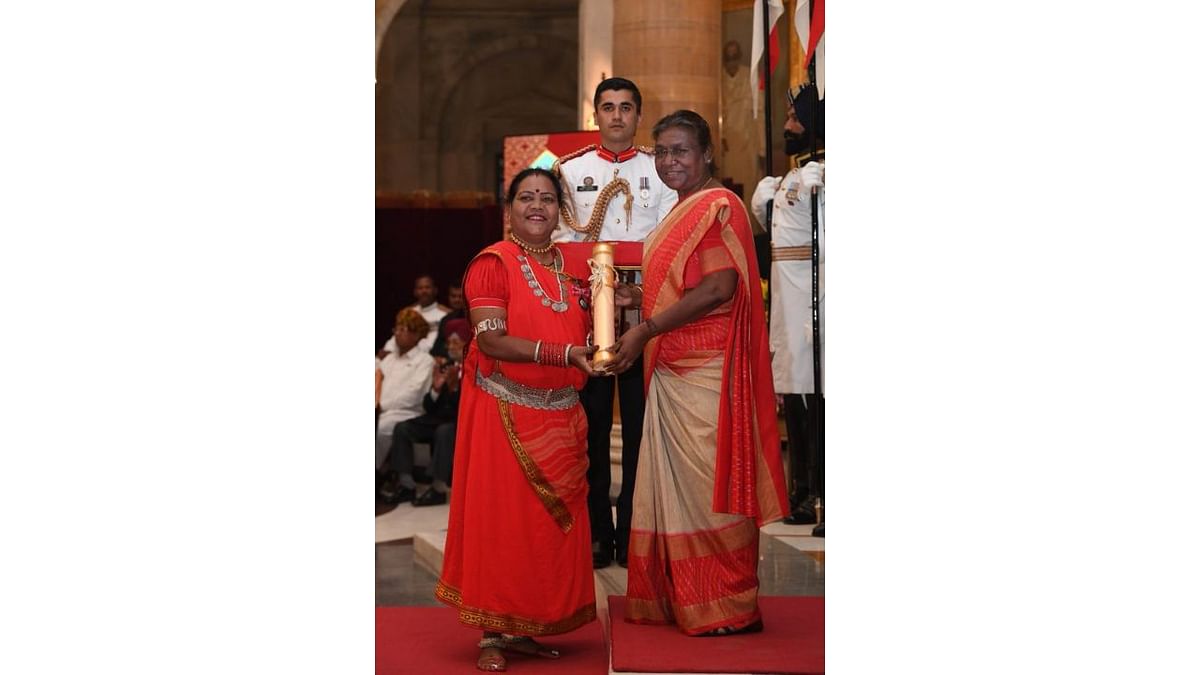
column 529, row 247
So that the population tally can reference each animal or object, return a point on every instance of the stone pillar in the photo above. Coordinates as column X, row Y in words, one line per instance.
column 397, row 107
column 672, row 50
column 595, row 54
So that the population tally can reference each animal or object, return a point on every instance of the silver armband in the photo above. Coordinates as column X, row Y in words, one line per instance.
column 497, row 323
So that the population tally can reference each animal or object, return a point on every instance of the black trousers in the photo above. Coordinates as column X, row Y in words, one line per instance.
column 424, row 429
column 804, row 457
column 597, row 398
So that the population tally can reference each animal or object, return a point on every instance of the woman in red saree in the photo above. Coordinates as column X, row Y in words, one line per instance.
column 709, row 473
column 518, row 558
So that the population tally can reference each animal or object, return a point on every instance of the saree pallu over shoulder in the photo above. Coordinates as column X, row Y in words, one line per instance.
column 749, row 471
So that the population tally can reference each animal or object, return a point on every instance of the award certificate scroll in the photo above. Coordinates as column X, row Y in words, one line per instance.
column 603, row 280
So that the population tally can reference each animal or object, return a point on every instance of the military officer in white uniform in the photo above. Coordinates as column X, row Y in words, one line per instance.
column 791, row 293
column 616, row 175
column 612, row 192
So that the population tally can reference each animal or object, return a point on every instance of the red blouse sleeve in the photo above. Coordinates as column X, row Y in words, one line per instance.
column 486, row 284
column 710, row 256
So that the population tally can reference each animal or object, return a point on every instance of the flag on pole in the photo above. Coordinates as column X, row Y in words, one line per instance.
column 756, row 47
column 815, row 42
column 797, row 43
column 801, row 21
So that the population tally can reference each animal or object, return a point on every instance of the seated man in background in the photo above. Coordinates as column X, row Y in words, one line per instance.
column 439, row 423
column 458, row 310
column 425, row 292
column 401, row 379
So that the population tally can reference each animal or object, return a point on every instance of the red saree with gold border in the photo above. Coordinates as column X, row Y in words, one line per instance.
column 518, row 545
column 709, row 472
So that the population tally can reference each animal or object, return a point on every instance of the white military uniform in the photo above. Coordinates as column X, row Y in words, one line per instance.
column 588, row 175
column 791, row 283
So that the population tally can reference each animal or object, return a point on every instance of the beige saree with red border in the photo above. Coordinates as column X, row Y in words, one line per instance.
column 709, row 472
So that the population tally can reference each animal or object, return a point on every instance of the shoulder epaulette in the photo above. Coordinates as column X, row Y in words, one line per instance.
column 577, row 153
column 646, row 149
column 798, row 160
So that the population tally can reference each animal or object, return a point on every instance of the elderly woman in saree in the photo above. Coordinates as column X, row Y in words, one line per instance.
column 710, row 472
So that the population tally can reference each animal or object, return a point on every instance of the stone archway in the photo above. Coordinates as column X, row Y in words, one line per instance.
column 430, row 97
column 482, row 55
column 489, row 103
column 385, row 11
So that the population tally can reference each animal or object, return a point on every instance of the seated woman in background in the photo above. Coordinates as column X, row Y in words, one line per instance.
column 709, row 473
column 518, row 559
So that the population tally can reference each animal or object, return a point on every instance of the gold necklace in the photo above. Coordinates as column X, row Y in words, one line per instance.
column 528, row 247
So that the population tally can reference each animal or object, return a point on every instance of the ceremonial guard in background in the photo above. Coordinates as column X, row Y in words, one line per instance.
column 791, row 294
column 612, row 192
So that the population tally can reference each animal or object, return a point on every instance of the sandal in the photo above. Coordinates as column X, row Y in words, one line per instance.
column 491, row 658
column 523, row 644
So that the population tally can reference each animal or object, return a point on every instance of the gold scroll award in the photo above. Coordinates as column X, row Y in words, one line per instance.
column 603, row 281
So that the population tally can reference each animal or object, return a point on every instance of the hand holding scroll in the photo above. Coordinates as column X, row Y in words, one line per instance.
column 581, row 358
column 627, row 350
column 627, row 295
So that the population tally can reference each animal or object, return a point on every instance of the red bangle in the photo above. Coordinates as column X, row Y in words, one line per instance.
column 552, row 354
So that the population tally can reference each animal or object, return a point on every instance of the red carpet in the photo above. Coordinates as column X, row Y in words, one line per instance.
column 431, row 641
column 792, row 641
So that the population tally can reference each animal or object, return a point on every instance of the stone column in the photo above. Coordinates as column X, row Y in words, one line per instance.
column 672, row 50
column 595, row 54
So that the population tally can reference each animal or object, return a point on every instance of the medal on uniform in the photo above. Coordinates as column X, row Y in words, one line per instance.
column 645, row 190
column 791, row 195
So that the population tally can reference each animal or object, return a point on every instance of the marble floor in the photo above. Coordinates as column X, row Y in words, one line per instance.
column 409, row 542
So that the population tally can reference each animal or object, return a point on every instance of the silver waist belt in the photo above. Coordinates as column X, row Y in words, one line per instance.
column 505, row 389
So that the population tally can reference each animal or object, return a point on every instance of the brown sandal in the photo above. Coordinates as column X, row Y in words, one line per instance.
column 522, row 644
column 491, row 658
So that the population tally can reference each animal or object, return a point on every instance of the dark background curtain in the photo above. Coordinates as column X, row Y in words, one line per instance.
column 410, row 242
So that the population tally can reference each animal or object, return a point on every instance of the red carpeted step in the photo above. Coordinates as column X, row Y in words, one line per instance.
column 431, row 641
column 792, row 641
